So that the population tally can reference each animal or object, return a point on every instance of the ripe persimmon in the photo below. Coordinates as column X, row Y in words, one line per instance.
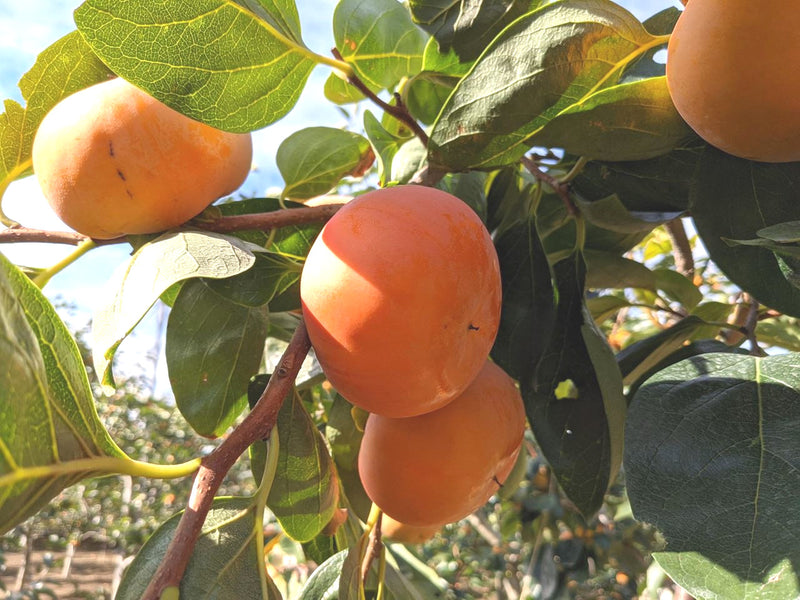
column 401, row 298
column 732, row 76
column 112, row 160
column 439, row 467
column 396, row 531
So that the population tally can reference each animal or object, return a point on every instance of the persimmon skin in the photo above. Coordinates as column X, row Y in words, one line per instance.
column 403, row 533
column 112, row 160
column 401, row 297
column 439, row 467
column 732, row 76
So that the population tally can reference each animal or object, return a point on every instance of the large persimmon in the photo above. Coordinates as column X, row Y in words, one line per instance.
column 401, row 296
column 732, row 74
column 439, row 467
column 112, row 160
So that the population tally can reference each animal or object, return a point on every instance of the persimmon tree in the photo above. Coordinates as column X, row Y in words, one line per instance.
column 643, row 355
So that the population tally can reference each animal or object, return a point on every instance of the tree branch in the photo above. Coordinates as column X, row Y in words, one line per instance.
column 559, row 187
column 257, row 425
column 398, row 111
column 257, row 221
column 681, row 248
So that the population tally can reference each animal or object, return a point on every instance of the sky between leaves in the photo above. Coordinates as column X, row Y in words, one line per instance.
column 29, row 26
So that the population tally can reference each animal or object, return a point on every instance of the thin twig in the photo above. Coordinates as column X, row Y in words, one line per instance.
column 257, row 425
column 750, row 326
column 398, row 111
column 257, row 221
column 681, row 248
column 560, row 188
column 374, row 547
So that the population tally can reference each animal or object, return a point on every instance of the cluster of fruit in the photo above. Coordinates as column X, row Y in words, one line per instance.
column 401, row 297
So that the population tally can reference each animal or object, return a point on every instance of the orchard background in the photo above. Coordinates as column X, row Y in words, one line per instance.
column 650, row 311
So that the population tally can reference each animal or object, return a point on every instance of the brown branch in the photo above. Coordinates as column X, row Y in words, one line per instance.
column 750, row 326
column 374, row 547
column 562, row 189
column 257, row 425
column 398, row 111
column 256, row 221
column 681, row 248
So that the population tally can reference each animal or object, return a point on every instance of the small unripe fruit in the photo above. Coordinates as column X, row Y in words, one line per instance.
column 112, row 160
column 732, row 75
column 401, row 298
column 439, row 467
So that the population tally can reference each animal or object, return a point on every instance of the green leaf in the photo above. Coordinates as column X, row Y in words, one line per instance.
column 785, row 233
column 379, row 40
column 602, row 307
column 65, row 67
column 444, row 63
column 607, row 270
column 528, row 312
column 734, row 198
column 385, row 144
column 50, row 434
column 426, row 93
column 610, row 213
column 313, row 160
column 324, row 581
column 227, row 562
column 648, row 186
column 783, row 332
column 629, row 121
column 563, row 53
column 467, row 27
column 678, row 287
column 409, row 159
column 305, row 490
column 153, row 268
column 339, row 91
column 711, row 459
column 270, row 276
column 235, row 65
column 344, row 438
column 351, row 584
column 213, row 347
column 580, row 435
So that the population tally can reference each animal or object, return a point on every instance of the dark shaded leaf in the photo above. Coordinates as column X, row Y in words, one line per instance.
column 711, row 459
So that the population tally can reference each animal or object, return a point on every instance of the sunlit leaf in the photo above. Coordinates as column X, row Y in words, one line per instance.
column 313, row 160
column 50, row 435
column 227, row 562
column 157, row 265
column 238, row 66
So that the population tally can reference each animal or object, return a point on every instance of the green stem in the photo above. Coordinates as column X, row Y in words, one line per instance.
column 42, row 278
column 580, row 232
column 10, row 177
column 102, row 464
column 575, row 171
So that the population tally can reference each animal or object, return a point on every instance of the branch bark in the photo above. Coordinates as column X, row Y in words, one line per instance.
column 560, row 188
column 681, row 248
column 257, row 221
column 257, row 425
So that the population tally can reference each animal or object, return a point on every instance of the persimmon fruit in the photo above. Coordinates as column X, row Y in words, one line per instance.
column 403, row 533
column 439, row 467
column 112, row 160
column 732, row 76
column 401, row 297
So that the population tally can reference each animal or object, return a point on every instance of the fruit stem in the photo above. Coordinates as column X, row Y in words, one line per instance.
column 42, row 278
column 575, row 170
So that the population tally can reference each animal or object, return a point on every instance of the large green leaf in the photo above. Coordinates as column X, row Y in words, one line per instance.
column 313, row 160
column 50, row 435
column 574, row 400
column 712, row 460
column 227, row 562
column 153, row 268
column 213, row 347
column 467, row 26
column 629, row 121
column 324, row 581
column 562, row 54
column 236, row 65
column 379, row 40
column 305, row 488
column 270, row 277
column 733, row 199
column 65, row 67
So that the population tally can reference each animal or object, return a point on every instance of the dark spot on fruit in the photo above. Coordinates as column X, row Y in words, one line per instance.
column 497, row 481
column 110, row 149
column 121, row 175
column 473, row 328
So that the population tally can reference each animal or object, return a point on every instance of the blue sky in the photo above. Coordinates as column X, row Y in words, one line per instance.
column 28, row 26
